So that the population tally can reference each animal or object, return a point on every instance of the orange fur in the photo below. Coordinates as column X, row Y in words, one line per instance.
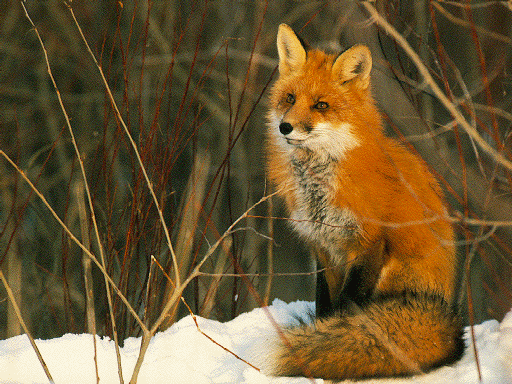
column 359, row 198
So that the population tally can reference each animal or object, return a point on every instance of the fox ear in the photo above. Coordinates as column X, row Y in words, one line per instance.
column 292, row 54
column 354, row 64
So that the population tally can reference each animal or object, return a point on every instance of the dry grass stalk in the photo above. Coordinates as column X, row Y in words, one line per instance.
column 209, row 297
column 191, row 209
column 14, row 270
column 14, row 274
column 89, row 292
column 270, row 252
column 147, row 304
column 12, row 299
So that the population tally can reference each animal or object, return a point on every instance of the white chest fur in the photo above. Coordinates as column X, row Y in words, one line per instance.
column 315, row 217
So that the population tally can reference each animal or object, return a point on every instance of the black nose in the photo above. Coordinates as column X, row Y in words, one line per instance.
column 285, row 128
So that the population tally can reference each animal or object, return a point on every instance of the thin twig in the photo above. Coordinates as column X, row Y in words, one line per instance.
column 190, row 213
column 477, row 239
column 194, row 317
column 215, row 342
column 209, row 297
column 24, row 326
column 273, row 274
column 456, row 219
column 480, row 222
column 148, row 289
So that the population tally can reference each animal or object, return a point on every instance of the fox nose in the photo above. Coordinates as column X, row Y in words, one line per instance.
column 285, row 128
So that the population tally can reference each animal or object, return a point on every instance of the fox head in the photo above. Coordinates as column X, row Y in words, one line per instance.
column 320, row 101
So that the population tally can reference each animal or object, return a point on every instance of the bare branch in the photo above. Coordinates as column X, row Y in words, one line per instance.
column 472, row 132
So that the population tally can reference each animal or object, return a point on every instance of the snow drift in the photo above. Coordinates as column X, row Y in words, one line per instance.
column 183, row 355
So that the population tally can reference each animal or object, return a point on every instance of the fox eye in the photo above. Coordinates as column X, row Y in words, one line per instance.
column 321, row 105
column 290, row 99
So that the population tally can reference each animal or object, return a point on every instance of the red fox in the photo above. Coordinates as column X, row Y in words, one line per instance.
column 375, row 218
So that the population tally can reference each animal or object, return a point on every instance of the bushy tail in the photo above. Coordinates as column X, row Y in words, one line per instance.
column 392, row 336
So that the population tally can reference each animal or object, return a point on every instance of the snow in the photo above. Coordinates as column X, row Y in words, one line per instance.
column 182, row 354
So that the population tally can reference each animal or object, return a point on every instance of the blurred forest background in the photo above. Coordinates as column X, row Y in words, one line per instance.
column 190, row 80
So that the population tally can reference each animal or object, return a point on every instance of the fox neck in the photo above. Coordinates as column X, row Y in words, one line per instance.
column 305, row 161
column 314, row 215
column 314, row 176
